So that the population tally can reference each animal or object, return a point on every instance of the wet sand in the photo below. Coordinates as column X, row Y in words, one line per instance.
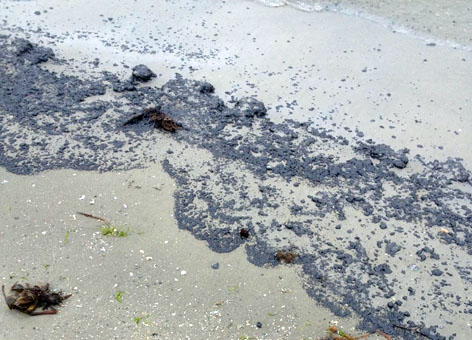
column 352, row 78
column 437, row 21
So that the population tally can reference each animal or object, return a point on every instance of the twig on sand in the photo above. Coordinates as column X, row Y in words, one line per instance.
column 384, row 335
column 134, row 119
column 101, row 219
column 334, row 330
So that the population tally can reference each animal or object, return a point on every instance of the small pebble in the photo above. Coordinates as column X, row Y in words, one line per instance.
column 259, row 325
column 215, row 265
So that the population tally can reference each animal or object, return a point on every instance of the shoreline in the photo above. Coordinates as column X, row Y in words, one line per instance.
column 449, row 25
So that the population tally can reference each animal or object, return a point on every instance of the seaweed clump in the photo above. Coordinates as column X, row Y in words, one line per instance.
column 285, row 256
column 28, row 298
column 157, row 117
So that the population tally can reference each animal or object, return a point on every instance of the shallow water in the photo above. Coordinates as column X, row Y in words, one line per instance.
column 439, row 21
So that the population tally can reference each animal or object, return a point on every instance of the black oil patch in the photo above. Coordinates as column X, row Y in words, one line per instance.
column 293, row 187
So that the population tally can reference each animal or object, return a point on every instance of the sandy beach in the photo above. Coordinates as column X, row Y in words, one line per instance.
column 165, row 275
column 323, row 134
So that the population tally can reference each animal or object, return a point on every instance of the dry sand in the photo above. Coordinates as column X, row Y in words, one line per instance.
column 165, row 274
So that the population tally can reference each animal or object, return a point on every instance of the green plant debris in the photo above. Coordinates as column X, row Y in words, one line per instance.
column 46, row 266
column 108, row 229
column 137, row 319
column 333, row 330
column 115, row 231
column 271, row 314
column 23, row 278
column 233, row 289
column 119, row 296
column 66, row 236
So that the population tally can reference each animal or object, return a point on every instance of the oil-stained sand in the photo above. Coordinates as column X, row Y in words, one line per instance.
column 291, row 185
column 380, row 233
column 165, row 275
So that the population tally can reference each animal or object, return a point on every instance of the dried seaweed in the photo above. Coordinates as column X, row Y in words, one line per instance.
column 156, row 116
column 285, row 256
column 244, row 233
column 28, row 298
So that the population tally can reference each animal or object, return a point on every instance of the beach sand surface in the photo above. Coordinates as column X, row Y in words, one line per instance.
column 348, row 75
column 165, row 275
